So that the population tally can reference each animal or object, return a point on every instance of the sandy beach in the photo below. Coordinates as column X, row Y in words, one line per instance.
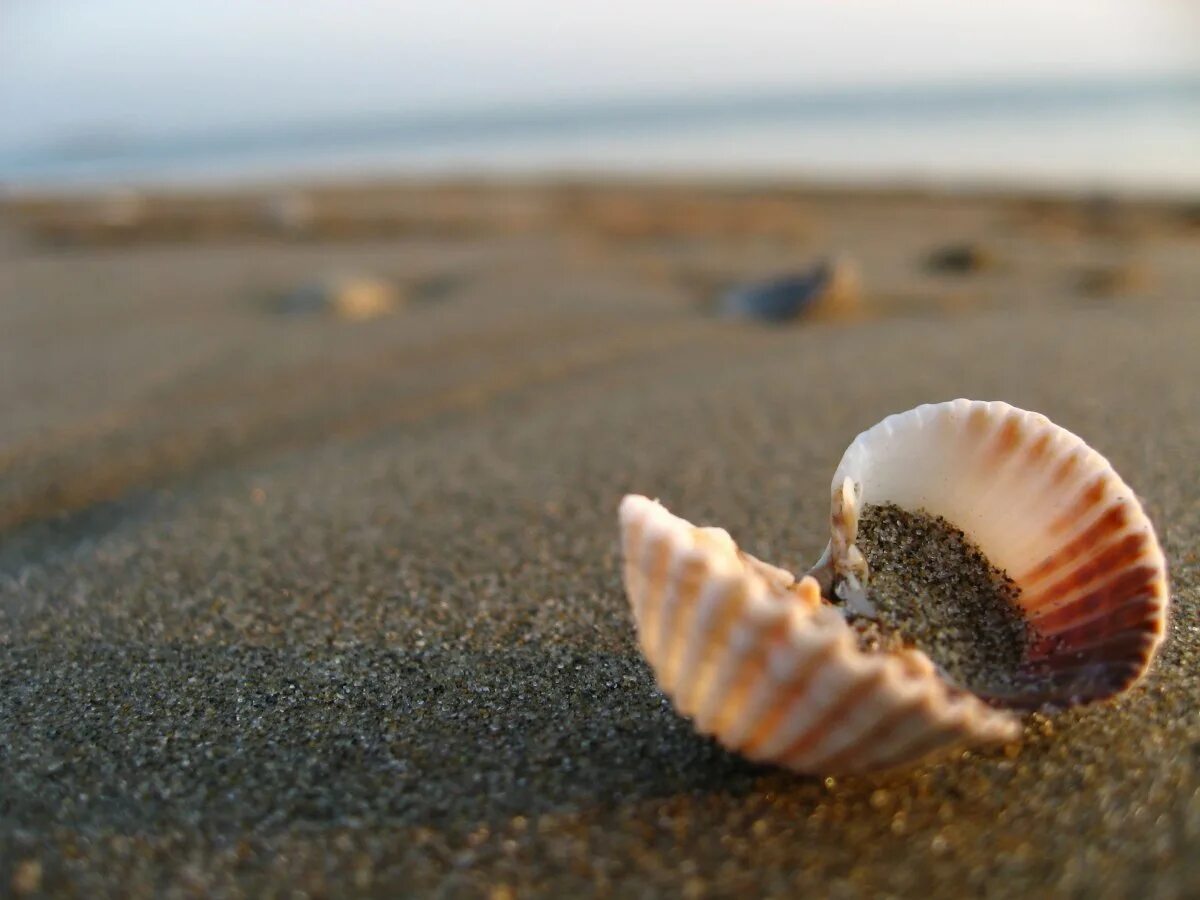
column 298, row 605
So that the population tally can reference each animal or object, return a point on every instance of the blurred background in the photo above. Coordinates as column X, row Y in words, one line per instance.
column 201, row 201
column 1084, row 94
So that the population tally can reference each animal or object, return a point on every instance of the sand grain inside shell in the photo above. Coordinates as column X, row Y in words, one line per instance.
column 934, row 589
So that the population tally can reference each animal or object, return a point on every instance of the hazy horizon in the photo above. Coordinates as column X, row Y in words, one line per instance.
column 72, row 69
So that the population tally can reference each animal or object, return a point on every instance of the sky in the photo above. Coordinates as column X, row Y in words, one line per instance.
column 72, row 68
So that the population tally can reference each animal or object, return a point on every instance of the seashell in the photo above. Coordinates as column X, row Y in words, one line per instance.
column 1043, row 506
column 770, row 666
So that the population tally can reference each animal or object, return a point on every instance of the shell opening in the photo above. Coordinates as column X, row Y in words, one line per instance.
column 1043, row 507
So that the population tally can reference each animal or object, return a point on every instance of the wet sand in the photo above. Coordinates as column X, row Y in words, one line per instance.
column 296, row 604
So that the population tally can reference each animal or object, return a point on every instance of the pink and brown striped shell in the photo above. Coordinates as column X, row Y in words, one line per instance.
column 770, row 668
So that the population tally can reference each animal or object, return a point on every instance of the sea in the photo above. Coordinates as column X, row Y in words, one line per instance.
column 1099, row 135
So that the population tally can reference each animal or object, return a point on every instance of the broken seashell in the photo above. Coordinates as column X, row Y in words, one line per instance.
column 770, row 666
column 759, row 661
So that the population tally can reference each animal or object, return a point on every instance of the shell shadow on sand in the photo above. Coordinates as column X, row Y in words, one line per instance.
column 226, row 737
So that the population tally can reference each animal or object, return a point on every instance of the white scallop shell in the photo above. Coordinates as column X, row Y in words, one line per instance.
column 772, row 670
column 1043, row 506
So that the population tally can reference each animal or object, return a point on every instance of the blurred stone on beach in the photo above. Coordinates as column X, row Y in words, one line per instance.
column 1115, row 280
column 1188, row 215
column 830, row 289
column 962, row 258
column 355, row 298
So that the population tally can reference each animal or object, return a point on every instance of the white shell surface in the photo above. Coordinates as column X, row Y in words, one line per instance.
column 759, row 661
column 1043, row 506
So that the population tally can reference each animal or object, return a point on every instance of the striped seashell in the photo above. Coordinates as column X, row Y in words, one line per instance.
column 760, row 662
column 1043, row 506
column 768, row 666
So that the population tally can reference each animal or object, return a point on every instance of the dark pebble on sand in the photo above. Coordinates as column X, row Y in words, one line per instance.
column 961, row 258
